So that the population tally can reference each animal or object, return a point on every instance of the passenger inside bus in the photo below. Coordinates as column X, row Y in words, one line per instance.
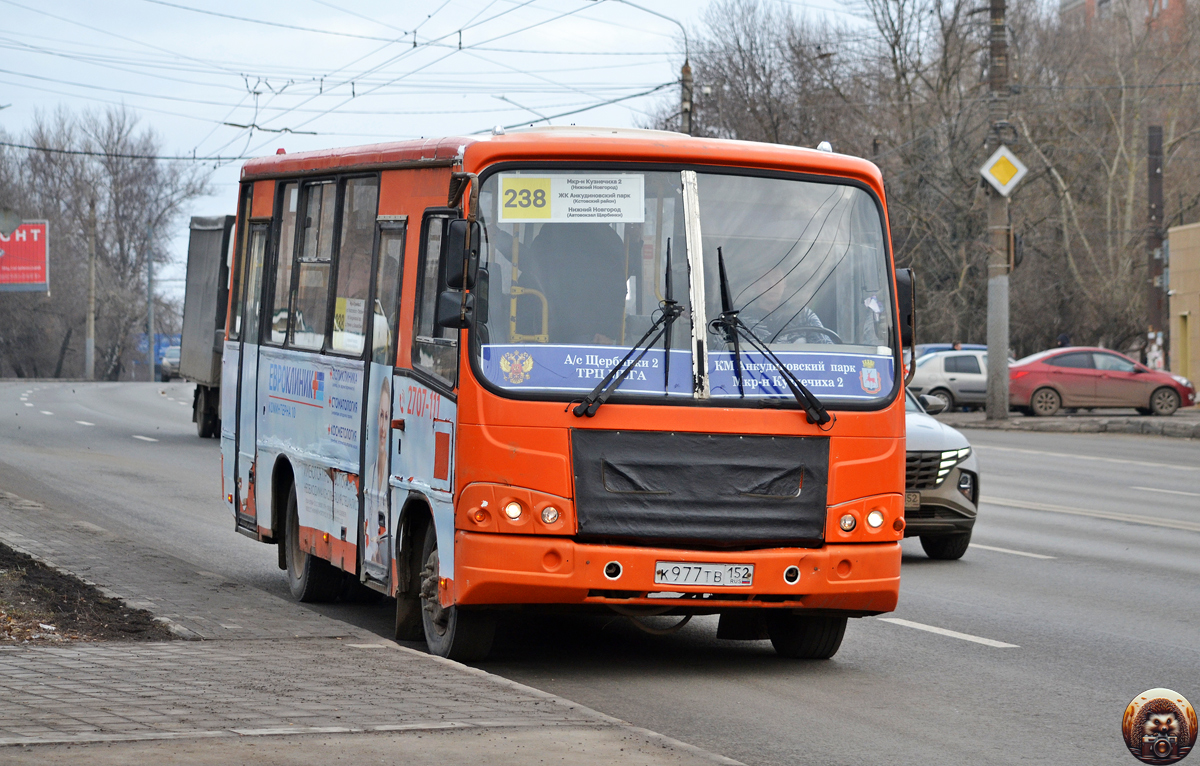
column 774, row 315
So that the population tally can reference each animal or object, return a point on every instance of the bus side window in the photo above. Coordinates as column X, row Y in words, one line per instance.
column 360, row 200
column 435, row 349
column 237, row 294
column 311, row 305
column 285, row 254
column 387, row 291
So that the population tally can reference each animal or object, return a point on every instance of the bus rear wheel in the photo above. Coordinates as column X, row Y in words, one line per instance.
column 816, row 637
column 311, row 579
column 450, row 631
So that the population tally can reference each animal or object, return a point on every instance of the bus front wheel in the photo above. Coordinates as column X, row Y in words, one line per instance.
column 815, row 637
column 450, row 631
column 310, row 578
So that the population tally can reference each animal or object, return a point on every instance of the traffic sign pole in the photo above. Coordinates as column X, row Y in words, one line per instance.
column 998, row 219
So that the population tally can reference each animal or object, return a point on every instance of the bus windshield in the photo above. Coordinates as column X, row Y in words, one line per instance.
column 579, row 265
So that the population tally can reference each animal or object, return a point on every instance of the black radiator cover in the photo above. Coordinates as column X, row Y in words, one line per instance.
column 710, row 489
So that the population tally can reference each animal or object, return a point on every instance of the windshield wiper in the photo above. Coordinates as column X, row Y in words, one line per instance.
column 730, row 326
column 669, row 311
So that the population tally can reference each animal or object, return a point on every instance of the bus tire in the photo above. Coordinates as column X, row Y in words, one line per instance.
column 815, row 637
column 204, row 412
column 311, row 579
column 946, row 547
column 451, row 632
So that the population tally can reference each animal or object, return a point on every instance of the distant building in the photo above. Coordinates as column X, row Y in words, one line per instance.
column 1184, row 300
column 1163, row 14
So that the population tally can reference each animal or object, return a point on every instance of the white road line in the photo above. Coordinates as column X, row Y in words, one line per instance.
column 27, row 404
column 1186, row 526
column 144, row 438
column 1119, row 461
column 84, row 423
column 1167, row 491
column 950, row 633
column 1009, row 550
column 46, row 412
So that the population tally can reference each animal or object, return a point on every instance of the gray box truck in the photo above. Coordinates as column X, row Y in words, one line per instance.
column 204, row 306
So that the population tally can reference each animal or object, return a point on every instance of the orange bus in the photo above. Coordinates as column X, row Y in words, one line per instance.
column 565, row 368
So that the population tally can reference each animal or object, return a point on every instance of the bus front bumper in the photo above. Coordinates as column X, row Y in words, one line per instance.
column 502, row 569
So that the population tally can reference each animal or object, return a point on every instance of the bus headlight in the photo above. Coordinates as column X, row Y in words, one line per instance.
column 846, row 523
column 513, row 510
column 549, row 514
column 874, row 519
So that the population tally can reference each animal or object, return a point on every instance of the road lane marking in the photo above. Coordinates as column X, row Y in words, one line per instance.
column 1167, row 491
column 27, row 404
column 84, row 423
column 951, row 633
column 1187, row 526
column 46, row 412
column 144, row 438
column 1009, row 550
column 1119, row 461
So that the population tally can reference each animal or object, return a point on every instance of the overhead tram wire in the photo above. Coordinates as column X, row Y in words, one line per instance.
column 114, row 34
column 408, row 52
column 451, row 53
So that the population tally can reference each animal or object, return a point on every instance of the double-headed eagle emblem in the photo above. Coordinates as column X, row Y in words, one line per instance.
column 516, row 366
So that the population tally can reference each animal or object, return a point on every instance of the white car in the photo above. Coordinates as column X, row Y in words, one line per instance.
column 941, row 483
column 959, row 377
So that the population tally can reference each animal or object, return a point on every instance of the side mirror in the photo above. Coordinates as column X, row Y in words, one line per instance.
column 449, row 310
column 457, row 251
column 905, row 300
column 932, row 404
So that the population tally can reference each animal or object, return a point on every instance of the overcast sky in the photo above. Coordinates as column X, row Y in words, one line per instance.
column 217, row 78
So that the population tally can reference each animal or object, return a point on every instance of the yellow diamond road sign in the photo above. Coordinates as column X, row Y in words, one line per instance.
column 1003, row 170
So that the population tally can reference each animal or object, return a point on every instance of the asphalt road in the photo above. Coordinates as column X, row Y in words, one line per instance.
column 1080, row 591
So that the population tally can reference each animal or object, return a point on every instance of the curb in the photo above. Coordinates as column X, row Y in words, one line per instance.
column 1145, row 426
column 662, row 739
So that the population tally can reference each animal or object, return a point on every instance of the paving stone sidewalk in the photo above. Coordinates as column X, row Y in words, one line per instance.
column 267, row 669
column 199, row 604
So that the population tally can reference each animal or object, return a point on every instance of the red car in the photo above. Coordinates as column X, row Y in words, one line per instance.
column 1044, row 383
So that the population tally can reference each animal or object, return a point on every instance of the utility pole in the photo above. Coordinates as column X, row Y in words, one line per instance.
column 150, row 306
column 685, row 98
column 89, row 348
column 999, row 224
column 1157, row 345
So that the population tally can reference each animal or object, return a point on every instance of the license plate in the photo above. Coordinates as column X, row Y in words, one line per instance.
column 690, row 573
column 912, row 500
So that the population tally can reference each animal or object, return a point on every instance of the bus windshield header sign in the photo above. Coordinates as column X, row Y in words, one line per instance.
column 575, row 197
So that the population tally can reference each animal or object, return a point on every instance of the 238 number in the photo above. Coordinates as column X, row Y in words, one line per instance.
column 524, row 198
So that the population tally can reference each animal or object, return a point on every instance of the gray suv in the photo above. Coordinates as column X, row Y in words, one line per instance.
column 941, row 492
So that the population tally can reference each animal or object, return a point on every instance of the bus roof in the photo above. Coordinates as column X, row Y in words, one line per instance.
column 565, row 143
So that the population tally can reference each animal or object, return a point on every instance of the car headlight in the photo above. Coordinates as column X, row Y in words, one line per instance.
column 951, row 458
column 1181, row 380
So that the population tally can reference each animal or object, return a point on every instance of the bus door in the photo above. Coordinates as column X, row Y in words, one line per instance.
column 378, row 416
column 247, row 399
column 423, row 399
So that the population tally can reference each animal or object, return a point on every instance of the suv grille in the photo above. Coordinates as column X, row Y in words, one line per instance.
column 921, row 470
column 925, row 470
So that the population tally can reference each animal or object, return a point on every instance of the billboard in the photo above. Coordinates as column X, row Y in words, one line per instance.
column 24, row 266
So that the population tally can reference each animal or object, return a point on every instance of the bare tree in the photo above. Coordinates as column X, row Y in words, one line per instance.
column 105, row 183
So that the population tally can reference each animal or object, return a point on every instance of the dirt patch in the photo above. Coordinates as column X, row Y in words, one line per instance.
column 39, row 604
